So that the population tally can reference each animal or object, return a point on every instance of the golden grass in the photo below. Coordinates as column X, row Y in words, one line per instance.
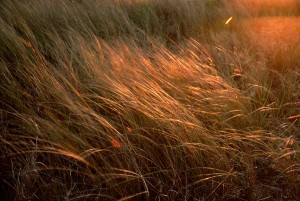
column 105, row 100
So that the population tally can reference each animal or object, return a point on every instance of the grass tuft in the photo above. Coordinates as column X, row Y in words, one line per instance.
column 144, row 100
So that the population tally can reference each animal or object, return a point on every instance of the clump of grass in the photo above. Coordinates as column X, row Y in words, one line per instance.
column 95, row 104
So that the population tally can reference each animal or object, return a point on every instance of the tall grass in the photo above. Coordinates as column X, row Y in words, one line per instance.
column 141, row 100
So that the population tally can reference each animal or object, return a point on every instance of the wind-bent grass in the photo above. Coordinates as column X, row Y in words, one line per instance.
column 127, row 100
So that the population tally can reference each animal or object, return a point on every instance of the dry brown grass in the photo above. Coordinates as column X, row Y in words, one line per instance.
column 118, row 101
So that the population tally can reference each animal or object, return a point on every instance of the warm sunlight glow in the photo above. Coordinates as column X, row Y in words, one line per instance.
column 149, row 99
column 229, row 19
column 261, row 6
column 278, row 37
column 275, row 3
column 270, row 31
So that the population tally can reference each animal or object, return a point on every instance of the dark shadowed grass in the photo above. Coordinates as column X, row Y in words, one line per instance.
column 117, row 101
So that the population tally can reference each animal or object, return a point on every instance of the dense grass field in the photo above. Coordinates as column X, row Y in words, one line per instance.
column 147, row 100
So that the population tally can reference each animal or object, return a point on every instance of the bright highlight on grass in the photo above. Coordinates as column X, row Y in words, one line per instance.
column 229, row 20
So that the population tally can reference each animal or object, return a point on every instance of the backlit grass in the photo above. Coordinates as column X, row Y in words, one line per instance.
column 143, row 100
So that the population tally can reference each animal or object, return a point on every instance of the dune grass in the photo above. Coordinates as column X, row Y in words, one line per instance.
column 142, row 100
